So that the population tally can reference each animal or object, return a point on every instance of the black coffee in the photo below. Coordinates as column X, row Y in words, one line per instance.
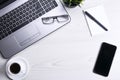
column 15, row 68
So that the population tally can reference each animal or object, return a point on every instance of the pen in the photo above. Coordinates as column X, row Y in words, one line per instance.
column 95, row 20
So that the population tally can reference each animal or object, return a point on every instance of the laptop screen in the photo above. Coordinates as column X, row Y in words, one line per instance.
column 4, row 3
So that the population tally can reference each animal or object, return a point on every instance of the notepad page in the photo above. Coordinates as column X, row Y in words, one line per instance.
column 98, row 13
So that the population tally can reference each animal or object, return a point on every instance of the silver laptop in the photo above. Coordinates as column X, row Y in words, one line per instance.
column 23, row 22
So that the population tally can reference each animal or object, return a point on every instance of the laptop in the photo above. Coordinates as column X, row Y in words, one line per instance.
column 23, row 22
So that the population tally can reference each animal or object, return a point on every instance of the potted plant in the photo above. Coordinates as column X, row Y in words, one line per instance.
column 72, row 3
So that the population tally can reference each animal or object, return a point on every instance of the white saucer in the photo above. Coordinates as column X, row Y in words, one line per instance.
column 24, row 68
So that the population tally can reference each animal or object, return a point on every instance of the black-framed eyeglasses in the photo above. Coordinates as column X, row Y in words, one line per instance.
column 50, row 20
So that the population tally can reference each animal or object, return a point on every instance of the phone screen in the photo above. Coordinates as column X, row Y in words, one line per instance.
column 104, row 60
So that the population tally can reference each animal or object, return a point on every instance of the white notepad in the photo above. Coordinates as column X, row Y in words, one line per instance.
column 99, row 14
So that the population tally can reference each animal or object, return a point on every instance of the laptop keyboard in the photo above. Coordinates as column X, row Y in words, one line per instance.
column 24, row 14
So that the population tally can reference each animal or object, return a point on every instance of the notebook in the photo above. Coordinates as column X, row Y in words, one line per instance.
column 99, row 14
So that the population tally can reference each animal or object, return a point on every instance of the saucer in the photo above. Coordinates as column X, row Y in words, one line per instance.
column 23, row 70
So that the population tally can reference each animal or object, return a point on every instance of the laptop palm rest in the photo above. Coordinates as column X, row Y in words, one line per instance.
column 26, row 35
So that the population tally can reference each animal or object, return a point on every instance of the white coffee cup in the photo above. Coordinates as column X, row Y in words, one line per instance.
column 17, row 68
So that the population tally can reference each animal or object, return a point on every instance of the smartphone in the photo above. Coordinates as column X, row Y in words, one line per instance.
column 104, row 59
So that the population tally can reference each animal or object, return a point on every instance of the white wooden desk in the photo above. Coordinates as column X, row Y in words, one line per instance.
column 70, row 53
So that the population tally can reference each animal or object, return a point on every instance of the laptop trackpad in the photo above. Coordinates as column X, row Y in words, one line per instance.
column 26, row 35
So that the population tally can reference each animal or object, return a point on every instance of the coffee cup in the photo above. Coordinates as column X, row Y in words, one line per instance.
column 17, row 68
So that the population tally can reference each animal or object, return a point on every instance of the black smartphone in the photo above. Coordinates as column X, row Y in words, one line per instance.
column 104, row 59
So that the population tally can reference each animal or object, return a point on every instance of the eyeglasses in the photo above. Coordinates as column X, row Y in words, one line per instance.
column 50, row 20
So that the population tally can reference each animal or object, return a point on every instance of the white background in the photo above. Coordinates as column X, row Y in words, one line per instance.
column 70, row 53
